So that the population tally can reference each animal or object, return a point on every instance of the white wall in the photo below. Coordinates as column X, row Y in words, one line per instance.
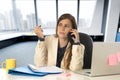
column 112, row 20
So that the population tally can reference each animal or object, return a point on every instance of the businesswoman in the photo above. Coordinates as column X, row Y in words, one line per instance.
column 60, row 50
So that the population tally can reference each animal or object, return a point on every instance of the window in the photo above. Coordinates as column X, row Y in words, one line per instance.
column 86, row 11
column 19, row 15
column 67, row 6
column 6, row 19
column 24, row 15
column 46, row 13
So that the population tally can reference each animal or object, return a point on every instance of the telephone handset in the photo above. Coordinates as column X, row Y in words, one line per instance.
column 70, row 37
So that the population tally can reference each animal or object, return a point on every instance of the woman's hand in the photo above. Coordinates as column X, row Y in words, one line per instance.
column 76, row 34
column 38, row 31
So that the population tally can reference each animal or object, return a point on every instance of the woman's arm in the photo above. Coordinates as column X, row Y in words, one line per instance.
column 40, row 57
column 77, row 58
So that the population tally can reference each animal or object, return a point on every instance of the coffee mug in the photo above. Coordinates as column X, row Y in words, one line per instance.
column 9, row 64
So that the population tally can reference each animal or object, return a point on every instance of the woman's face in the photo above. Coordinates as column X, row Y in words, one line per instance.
column 64, row 27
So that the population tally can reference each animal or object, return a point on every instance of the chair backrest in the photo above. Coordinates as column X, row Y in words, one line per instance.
column 87, row 41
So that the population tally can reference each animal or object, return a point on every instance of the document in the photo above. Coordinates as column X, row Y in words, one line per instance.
column 45, row 69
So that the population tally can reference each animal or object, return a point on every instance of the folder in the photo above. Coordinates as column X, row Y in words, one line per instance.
column 26, row 70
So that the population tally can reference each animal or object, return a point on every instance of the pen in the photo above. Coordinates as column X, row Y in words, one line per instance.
column 39, row 26
column 33, row 30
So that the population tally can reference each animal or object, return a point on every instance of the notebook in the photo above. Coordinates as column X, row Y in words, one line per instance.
column 105, row 59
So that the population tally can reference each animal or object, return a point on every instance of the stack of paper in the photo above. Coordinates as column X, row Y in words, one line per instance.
column 48, row 69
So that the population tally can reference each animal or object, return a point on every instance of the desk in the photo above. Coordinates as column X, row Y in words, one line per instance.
column 63, row 76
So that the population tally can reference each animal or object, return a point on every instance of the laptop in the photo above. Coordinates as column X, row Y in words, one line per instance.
column 102, row 63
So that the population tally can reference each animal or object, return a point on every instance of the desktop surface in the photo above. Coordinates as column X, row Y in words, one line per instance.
column 63, row 76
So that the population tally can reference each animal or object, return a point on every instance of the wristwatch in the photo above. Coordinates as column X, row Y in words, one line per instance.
column 77, row 43
column 41, row 39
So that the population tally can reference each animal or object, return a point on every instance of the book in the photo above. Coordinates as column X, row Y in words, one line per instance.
column 35, row 71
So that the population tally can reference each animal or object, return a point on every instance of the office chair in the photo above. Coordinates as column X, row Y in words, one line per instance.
column 87, row 41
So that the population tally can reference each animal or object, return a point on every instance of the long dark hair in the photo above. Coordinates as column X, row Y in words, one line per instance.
column 68, row 52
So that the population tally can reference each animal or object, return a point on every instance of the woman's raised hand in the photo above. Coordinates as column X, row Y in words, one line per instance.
column 38, row 31
column 76, row 34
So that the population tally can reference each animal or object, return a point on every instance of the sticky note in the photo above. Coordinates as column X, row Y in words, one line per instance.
column 118, row 56
column 112, row 60
column 65, row 75
column 68, row 74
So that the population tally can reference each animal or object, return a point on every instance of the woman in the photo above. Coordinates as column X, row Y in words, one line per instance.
column 60, row 50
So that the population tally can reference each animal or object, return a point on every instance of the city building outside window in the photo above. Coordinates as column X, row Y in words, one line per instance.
column 86, row 11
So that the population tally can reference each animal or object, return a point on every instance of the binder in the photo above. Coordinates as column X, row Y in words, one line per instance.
column 26, row 70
